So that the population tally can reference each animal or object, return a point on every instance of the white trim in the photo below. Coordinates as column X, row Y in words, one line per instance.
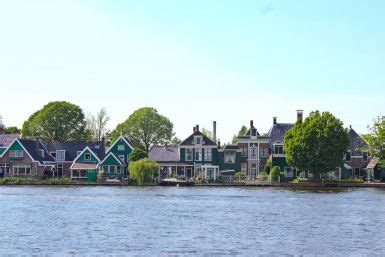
column 22, row 146
column 113, row 155
column 85, row 149
column 117, row 140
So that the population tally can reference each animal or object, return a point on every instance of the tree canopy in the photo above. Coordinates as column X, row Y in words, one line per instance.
column 241, row 132
column 317, row 144
column 376, row 138
column 62, row 121
column 137, row 154
column 145, row 128
column 12, row 130
column 97, row 124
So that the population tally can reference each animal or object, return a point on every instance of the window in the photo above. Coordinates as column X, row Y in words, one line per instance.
column 4, row 168
column 198, row 154
column 365, row 156
column 41, row 152
column 21, row 169
column 263, row 152
column 229, row 157
column 278, row 149
column 60, row 155
column 253, row 169
column 244, row 151
column 208, row 154
column 59, row 169
column 189, row 154
column 253, row 151
column 348, row 156
column 244, row 167
column 121, row 157
column 16, row 154
column 120, row 147
column 87, row 156
column 198, row 140
column 288, row 172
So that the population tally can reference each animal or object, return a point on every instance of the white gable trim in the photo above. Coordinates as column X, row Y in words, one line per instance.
column 84, row 150
column 117, row 140
column 113, row 155
column 22, row 146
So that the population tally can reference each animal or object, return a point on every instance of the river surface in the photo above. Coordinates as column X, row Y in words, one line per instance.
column 190, row 221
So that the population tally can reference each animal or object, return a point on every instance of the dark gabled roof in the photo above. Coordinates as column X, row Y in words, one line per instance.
column 7, row 139
column 277, row 132
column 72, row 148
column 164, row 154
column 356, row 142
column 30, row 147
column 248, row 133
column 190, row 139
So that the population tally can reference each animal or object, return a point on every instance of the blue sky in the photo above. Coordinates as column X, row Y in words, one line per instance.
column 195, row 61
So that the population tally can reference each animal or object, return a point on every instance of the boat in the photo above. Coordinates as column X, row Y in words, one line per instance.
column 175, row 182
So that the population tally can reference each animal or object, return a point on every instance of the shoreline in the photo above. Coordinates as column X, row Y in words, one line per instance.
column 240, row 184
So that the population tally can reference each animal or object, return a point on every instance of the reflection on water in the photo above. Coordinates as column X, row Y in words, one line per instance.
column 190, row 221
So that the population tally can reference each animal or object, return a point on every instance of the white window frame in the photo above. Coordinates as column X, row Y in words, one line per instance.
column 85, row 156
column 121, row 147
column 41, row 152
column 245, row 151
column 61, row 154
column 6, row 168
column 196, row 140
column 189, row 153
column 16, row 169
column 198, row 153
column 229, row 157
column 16, row 154
column 208, row 154
column 280, row 146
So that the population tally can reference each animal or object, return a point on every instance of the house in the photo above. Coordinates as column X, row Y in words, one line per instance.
column 5, row 139
column 357, row 157
column 64, row 154
column 86, row 164
column 169, row 162
column 116, row 161
column 26, row 158
column 252, row 152
column 276, row 135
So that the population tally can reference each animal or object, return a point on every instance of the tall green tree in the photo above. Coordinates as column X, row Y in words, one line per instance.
column 145, row 128
column 317, row 144
column 241, row 132
column 62, row 121
column 376, row 138
column 137, row 154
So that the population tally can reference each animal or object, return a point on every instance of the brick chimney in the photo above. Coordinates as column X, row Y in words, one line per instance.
column 251, row 123
column 194, row 129
column 274, row 120
column 219, row 143
column 197, row 127
column 37, row 144
column 214, row 131
column 300, row 115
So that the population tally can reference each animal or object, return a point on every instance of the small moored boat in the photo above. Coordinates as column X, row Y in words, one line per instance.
column 175, row 182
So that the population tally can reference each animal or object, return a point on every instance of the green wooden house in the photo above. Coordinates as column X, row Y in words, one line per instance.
column 85, row 165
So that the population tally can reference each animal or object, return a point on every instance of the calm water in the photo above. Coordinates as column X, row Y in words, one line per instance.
column 190, row 221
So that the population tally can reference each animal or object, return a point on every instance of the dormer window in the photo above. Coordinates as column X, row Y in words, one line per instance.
column 87, row 156
column 198, row 140
column 41, row 152
column 60, row 155
column 120, row 147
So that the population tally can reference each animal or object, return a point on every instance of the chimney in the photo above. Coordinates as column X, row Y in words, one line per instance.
column 274, row 120
column 37, row 144
column 350, row 126
column 194, row 129
column 219, row 143
column 251, row 123
column 214, row 131
column 197, row 127
column 300, row 115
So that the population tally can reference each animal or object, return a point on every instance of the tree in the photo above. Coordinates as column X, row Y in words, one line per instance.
column 60, row 121
column 274, row 173
column 145, row 128
column 317, row 144
column 241, row 132
column 143, row 170
column 97, row 125
column 207, row 133
column 176, row 140
column 12, row 130
column 376, row 138
column 137, row 154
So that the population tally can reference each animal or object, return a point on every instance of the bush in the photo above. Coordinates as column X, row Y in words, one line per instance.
column 300, row 180
column 219, row 180
column 143, row 170
column 264, row 173
column 4, row 181
column 274, row 173
column 17, row 181
column 240, row 174
column 267, row 167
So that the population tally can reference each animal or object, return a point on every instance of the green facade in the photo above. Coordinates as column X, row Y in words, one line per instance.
column 82, row 159
column 214, row 156
column 230, row 166
column 110, row 161
column 115, row 149
column 16, row 146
